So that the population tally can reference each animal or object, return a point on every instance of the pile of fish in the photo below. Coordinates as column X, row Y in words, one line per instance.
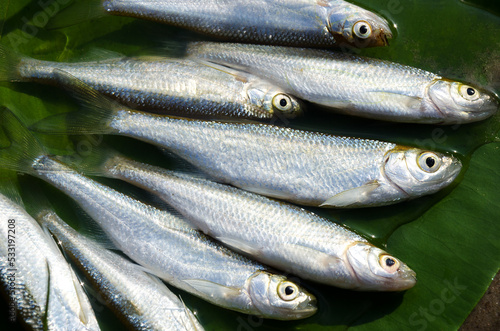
column 233, row 239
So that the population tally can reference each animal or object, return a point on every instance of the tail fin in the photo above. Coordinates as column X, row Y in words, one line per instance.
column 78, row 12
column 24, row 146
column 95, row 118
column 93, row 164
column 9, row 64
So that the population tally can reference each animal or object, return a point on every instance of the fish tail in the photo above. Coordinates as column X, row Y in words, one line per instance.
column 9, row 65
column 95, row 118
column 78, row 12
column 23, row 149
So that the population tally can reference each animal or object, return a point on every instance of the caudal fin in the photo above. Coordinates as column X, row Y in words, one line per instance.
column 78, row 12
column 24, row 147
column 9, row 64
column 95, row 118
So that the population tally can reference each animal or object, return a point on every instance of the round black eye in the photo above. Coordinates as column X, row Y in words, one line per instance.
column 430, row 162
column 471, row 91
column 363, row 29
column 283, row 103
column 289, row 290
column 389, row 262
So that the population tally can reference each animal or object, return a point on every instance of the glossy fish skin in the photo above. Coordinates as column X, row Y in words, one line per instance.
column 164, row 85
column 40, row 270
column 175, row 252
column 141, row 299
column 316, row 23
column 358, row 86
column 278, row 234
column 307, row 168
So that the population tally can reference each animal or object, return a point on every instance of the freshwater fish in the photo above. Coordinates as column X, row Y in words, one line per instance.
column 42, row 288
column 275, row 233
column 138, row 297
column 162, row 243
column 165, row 85
column 308, row 168
column 356, row 85
column 307, row 23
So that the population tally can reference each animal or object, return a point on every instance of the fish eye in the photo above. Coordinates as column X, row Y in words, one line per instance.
column 429, row 162
column 469, row 93
column 389, row 263
column 362, row 29
column 282, row 102
column 288, row 291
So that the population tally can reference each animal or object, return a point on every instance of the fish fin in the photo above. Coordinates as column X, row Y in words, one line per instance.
column 86, row 313
column 9, row 64
column 9, row 186
column 352, row 196
column 194, row 323
column 98, row 55
column 341, row 104
column 78, row 12
column 211, row 289
column 24, row 146
column 93, row 164
column 267, row 192
column 240, row 245
column 95, row 118
column 409, row 101
column 239, row 75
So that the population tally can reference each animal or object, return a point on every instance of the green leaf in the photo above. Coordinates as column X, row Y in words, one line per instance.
column 451, row 239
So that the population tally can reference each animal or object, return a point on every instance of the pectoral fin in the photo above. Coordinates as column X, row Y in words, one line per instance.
column 353, row 196
column 211, row 289
column 243, row 246
column 409, row 101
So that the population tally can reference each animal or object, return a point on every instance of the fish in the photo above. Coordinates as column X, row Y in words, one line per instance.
column 356, row 85
column 307, row 168
column 277, row 234
column 164, row 244
column 306, row 23
column 42, row 288
column 164, row 85
column 137, row 297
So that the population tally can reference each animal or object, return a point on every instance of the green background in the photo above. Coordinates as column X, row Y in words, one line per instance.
column 450, row 239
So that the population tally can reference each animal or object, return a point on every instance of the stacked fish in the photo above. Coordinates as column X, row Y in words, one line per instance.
column 229, row 240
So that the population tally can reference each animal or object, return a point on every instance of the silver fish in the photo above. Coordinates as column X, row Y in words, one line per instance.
column 317, row 23
column 140, row 298
column 165, row 85
column 307, row 168
column 41, row 285
column 278, row 234
column 356, row 85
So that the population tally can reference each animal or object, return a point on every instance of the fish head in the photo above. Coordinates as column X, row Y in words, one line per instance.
column 358, row 27
column 458, row 102
column 418, row 172
column 273, row 100
column 376, row 270
column 277, row 297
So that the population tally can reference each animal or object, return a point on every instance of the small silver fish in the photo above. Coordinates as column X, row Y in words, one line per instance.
column 140, row 298
column 304, row 167
column 278, row 234
column 316, row 23
column 41, row 285
column 356, row 85
column 164, row 85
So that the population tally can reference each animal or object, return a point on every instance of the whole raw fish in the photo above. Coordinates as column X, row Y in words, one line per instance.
column 308, row 168
column 165, row 85
column 278, row 234
column 317, row 23
column 164, row 244
column 41, row 285
column 139, row 298
column 356, row 85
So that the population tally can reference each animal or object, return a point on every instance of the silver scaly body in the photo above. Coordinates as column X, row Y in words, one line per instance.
column 143, row 301
column 357, row 85
column 173, row 86
column 47, row 294
column 278, row 234
column 174, row 251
